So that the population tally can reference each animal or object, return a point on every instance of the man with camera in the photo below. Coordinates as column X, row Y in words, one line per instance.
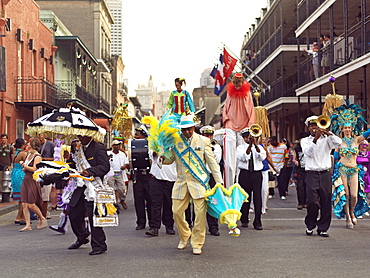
column 118, row 163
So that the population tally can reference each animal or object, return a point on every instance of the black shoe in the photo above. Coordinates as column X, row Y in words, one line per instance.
column 322, row 233
column 152, row 232
column 97, row 252
column 140, row 227
column 170, row 231
column 300, row 207
column 58, row 229
column 214, row 233
column 78, row 244
column 259, row 228
column 309, row 232
column 245, row 225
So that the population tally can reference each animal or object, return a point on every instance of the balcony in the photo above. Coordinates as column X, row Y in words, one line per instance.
column 39, row 91
column 80, row 95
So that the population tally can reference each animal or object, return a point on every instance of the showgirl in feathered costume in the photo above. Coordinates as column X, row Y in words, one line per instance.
column 349, row 199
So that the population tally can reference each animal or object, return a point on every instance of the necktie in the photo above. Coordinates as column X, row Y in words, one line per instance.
column 84, row 148
column 251, row 163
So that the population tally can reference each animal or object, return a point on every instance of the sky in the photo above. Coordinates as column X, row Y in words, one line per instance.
column 171, row 38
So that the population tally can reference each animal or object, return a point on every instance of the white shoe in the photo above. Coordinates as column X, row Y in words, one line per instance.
column 367, row 214
column 282, row 198
column 182, row 245
column 197, row 251
column 270, row 196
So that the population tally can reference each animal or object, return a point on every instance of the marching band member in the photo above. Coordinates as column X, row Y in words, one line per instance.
column 316, row 148
column 250, row 156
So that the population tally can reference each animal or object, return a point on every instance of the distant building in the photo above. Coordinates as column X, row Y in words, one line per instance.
column 206, row 79
column 160, row 103
column 145, row 95
column 116, row 10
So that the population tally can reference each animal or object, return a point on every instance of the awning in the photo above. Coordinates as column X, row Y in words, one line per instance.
column 104, row 123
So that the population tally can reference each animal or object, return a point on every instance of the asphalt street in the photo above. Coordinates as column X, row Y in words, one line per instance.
column 281, row 250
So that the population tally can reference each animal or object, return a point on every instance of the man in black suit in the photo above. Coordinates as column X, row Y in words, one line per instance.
column 96, row 155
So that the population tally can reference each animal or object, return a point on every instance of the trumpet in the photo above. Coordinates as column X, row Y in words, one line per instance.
column 323, row 121
column 255, row 130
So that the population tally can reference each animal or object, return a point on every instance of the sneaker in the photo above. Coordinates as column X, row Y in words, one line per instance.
column 367, row 214
column 282, row 198
column 309, row 232
column 270, row 196
column 323, row 233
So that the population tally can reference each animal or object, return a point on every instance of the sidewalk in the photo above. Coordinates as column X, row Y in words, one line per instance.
column 7, row 207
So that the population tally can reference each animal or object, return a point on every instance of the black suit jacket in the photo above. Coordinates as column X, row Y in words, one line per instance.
column 96, row 155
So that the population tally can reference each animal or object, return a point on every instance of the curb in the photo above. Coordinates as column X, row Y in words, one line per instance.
column 8, row 209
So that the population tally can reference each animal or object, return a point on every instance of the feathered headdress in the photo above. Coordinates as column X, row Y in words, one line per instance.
column 162, row 134
column 348, row 115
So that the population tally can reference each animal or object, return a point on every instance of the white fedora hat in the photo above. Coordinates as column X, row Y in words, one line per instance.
column 186, row 121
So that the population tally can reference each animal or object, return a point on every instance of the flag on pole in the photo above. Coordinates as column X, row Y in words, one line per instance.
column 222, row 71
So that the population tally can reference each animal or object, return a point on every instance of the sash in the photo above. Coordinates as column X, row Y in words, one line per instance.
column 195, row 166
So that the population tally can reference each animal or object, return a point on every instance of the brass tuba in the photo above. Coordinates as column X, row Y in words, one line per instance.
column 323, row 121
column 255, row 130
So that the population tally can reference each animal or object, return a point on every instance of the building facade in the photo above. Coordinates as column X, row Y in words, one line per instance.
column 91, row 21
column 27, row 70
column 279, row 49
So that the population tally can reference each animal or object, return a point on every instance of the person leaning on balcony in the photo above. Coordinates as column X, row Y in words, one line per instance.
column 238, row 114
column 325, row 60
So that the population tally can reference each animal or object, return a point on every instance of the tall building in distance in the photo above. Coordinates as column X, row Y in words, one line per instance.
column 145, row 94
column 115, row 7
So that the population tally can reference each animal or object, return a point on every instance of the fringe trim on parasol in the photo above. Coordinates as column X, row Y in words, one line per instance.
column 122, row 122
column 332, row 101
column 67, row 132
column 262, row 120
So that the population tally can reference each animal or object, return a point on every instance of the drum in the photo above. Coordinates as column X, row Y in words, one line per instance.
column 138, row 154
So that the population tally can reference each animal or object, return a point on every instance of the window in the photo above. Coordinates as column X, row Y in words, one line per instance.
column 20, row 129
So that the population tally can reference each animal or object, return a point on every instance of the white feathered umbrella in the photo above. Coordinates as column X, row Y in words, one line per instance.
column 69, row 122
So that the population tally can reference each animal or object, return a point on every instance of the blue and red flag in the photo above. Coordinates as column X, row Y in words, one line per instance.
column 222, row 71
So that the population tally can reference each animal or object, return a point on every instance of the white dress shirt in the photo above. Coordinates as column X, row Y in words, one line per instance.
column 117, row 160
column 317, row 156
column 243, row 157
column 167, row 173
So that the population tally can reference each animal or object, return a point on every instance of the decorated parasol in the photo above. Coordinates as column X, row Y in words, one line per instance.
column 122, row 122
column 331, row 100
column 69, row 122
column 261, row 116
column 225, row 204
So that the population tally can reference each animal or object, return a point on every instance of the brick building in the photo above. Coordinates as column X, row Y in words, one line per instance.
column 26, row 66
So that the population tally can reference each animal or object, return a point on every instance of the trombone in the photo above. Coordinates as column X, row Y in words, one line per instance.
column 323, row 121
column 255, row 130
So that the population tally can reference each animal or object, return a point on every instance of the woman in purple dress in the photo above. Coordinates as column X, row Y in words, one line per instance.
column 363, row 158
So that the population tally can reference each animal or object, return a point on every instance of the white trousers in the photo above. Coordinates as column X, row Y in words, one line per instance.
column 264, row 192
column 232, row 139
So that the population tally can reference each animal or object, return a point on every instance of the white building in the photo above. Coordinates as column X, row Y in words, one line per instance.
column 115, row 7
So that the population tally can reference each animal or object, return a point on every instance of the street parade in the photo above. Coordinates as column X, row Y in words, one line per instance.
column 261, row 171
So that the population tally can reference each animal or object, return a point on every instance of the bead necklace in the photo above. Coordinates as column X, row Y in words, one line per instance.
column 348, row 141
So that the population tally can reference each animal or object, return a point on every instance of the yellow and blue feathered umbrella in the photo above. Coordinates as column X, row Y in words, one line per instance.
column 225, row 204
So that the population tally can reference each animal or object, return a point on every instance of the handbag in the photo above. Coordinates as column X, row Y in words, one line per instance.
column 271, row 176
